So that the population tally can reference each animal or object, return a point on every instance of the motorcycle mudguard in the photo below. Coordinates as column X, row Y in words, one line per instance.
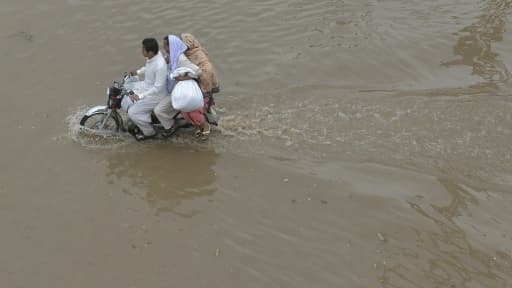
column 96, row 109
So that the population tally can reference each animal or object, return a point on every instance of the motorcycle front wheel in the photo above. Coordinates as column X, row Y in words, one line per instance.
column 100, row 122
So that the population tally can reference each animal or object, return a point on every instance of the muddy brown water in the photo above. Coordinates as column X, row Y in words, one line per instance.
column 362, row 144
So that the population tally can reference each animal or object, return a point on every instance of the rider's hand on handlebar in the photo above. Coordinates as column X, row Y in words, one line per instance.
column 133, row 72
column 134, row 97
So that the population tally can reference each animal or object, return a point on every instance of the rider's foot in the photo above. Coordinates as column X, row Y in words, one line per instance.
column 169, row 132
column 141, row 137
column 133, row 129
column 205, row 132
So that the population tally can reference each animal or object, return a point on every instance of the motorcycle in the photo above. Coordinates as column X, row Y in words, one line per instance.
column 110, row 119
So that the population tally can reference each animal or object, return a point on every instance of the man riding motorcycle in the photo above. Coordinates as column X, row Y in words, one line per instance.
column 147, row 93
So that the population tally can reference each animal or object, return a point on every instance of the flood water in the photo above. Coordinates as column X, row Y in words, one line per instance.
column 361, row 144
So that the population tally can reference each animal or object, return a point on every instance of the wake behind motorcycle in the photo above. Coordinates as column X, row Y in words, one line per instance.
column 109, row 119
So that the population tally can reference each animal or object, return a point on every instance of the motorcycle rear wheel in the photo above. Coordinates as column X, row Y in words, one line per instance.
column 94, row 121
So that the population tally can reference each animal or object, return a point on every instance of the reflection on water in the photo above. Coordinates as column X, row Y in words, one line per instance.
column 443, row 253
column 475, row 45
column 167, row 175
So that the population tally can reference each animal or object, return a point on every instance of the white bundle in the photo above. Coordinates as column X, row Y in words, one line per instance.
column 187, row 96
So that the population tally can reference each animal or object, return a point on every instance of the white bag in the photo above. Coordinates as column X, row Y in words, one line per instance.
column 187, row 96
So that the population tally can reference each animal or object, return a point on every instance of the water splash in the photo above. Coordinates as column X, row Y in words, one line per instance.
column 92, row 139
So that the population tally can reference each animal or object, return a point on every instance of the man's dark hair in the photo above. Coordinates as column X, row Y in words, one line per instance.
column 151, row 45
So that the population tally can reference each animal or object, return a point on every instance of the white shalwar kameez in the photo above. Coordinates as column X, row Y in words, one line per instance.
column 150, row 92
